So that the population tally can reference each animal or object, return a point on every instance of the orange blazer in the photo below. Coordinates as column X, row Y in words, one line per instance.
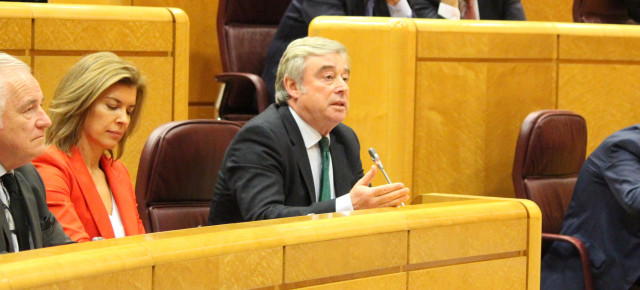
column 73, row 197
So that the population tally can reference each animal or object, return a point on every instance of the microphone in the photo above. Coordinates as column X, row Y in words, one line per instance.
column 376, row 160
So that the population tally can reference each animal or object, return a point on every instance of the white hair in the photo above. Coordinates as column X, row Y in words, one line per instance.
column 8, row 64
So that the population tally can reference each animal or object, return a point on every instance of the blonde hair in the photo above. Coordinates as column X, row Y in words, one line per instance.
column 293, row 61
column 80, row 87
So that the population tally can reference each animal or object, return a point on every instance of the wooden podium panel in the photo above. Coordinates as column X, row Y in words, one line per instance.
column 474, row 83
column 446, row 242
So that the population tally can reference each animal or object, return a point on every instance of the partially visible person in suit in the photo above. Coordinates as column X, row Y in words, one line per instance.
column 95, row 108
column 25, row 221
column 633, row 7
column 296, row 157
column 604, row 213
column 486, row 9
column 295, row 24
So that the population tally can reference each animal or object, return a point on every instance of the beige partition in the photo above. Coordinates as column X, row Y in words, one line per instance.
column 548, row 10
column 447, row 242
column 474, row 83
column 51, row 38
column 598, row 73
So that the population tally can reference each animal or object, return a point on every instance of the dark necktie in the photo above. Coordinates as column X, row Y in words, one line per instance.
column 18, row 211
column 325, row 184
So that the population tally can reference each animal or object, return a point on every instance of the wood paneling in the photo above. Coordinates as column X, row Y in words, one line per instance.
column 548, row 10
column 367, row 249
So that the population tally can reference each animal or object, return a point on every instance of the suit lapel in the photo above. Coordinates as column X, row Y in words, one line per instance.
column 32, row 210
column 90, row 193
column 299, row 150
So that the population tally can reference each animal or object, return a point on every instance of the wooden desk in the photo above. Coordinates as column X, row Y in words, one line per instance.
column 448, row 242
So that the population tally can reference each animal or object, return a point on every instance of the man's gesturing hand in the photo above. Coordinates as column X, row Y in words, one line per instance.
column 363, row 196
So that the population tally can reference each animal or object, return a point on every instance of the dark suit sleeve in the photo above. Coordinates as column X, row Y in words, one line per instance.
column 313, row 8
column 425, row 8
column 622, row 175
column 633, row 6
column 260, row 175
column 52, row 232
column 513, row 10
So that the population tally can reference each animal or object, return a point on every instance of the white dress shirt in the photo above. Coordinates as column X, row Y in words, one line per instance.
column 311, row 138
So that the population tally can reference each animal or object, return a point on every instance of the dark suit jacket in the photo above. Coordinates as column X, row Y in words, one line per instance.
column 295, row 24
column 633, row 6
column 489, row 9
column 45, row 229
column 266, row 173
column 605, row 214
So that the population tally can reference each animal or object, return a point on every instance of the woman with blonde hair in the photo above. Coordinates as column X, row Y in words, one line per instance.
column 95, row 107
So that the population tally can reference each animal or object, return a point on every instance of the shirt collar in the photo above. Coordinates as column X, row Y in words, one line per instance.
column 3, row 171
column 310, row 135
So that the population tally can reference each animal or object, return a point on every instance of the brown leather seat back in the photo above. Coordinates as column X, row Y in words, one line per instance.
column 178, row 171
column 600, row 11
column 245, row 30
column 550, row 151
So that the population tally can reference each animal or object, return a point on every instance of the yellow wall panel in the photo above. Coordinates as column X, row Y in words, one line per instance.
column 133, row 279
column 481, row 39
column 204, row 55
column 130, row 36
column 548, row 10
column 383, row 282
column 344, row 256
column 202, row 112
column 598, row 42
column 181, row 65
column 251, row 269
column 15, row 33
column 467, row 240
column 468, row 121
column 605, row 94
column 508, row 274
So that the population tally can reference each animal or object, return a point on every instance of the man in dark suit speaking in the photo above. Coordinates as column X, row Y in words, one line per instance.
column 25, row 220
column 296, row 157
column 604, row 213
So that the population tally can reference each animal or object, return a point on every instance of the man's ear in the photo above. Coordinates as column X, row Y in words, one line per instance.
column 292, row 87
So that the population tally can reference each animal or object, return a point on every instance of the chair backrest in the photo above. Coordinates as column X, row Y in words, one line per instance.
column 550, row 151
column 600, row 11
column 178, row 171
column 245, row 30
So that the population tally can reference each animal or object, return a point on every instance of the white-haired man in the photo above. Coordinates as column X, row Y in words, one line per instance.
column 25, row 220
column 296, row 157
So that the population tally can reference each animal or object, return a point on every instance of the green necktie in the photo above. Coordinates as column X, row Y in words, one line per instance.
column 325, row 184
